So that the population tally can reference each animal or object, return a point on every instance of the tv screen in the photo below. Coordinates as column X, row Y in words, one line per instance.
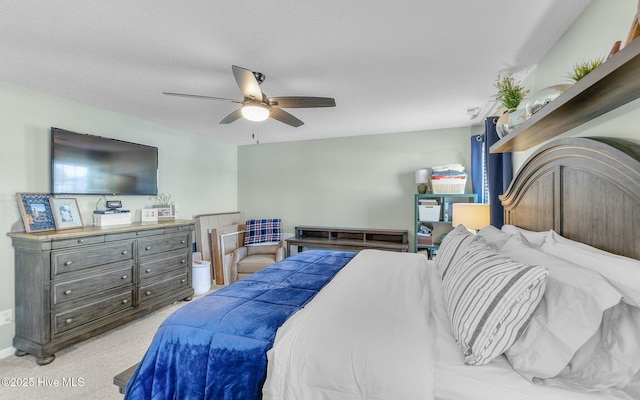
column 88, row 164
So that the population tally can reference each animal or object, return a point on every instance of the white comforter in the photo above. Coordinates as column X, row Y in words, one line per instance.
column 366, row 335
column 378, row 331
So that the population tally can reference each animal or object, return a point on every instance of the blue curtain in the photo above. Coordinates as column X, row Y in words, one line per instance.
column 478, row 168
column 491, row 174
column 499, row 172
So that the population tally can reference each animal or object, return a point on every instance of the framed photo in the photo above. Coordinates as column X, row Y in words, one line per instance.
column 36, row 211
column 149, row 215
column 66, row 213
column 165, row 212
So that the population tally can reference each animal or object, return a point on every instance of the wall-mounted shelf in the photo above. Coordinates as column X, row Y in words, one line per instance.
column 611, row 85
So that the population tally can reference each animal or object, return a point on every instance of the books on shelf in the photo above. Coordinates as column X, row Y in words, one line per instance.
column 428, row 202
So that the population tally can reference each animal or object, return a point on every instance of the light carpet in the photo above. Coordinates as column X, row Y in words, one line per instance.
column 84, row 370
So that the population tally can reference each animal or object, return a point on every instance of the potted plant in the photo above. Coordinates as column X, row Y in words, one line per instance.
column 580, row 70
column 166, row 208
column 510, row 95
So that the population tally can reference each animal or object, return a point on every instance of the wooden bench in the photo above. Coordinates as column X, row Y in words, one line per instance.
column 354, row 239
column 123, row 377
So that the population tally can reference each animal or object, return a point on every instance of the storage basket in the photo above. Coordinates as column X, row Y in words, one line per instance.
column 426, row 240
column 456, row 185
column 429, row 213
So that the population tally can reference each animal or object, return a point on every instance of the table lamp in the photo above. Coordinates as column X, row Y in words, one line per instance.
column 422, row 180
column 473, row 216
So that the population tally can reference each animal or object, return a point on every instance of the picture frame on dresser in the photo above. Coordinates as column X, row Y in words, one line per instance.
column 149, row 215
column 66, row 213
column 35, row 210
column 166, row 212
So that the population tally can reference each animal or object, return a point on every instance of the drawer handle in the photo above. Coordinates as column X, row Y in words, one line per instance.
column 183, row 241
column 147, row 293
column 183, row 280
column 124, row 253
column 80, row 241
column 67, row 292
column 68, row 262
column 68, row 321
column 124, row 277
column 148, row 248
column 125, row 301
column 147, row 270
column 179, row 228
column 183, row 261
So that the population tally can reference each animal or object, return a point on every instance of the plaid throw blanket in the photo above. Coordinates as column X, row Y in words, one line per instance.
column 263, row 231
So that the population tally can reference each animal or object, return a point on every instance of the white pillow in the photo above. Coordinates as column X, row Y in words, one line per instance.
column 534, row 238
column 609, row 359
column 489, row 299
column 569, row 313
column 621, row 272
column 494, row 236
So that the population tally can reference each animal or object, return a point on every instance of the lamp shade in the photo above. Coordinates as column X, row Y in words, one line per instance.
column 422, row 176
column 254, row 112
column 471, row 215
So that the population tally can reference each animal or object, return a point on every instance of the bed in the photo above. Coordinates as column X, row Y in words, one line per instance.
column 554, row 315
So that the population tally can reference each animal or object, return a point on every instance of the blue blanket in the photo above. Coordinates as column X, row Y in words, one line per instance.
column 215, row 347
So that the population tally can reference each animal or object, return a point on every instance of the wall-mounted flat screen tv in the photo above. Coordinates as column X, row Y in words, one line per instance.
column 89, row 164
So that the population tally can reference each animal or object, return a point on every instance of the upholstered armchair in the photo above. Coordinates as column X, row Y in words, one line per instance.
column 263, row 246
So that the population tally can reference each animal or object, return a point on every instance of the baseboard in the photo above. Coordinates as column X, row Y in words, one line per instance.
column 9, row 351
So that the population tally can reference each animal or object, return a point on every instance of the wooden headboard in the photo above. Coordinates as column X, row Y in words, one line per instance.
column 586, row 189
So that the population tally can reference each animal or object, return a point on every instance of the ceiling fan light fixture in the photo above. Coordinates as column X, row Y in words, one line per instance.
column 254, row 112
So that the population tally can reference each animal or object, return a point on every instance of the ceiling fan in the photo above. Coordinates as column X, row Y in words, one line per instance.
column 256, row 106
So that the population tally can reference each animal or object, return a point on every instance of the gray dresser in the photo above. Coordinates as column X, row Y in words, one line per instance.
column 74, row 284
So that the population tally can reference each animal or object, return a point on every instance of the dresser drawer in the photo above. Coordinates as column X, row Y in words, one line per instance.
column 149, row 246
column 118, row 274
column 152, row 267
column 64, row 261
column 90, row 311
column 150, row 292
column 134, row 234
column 113, row 237
column 83, row 241
column 150, row 232
column 172, row 229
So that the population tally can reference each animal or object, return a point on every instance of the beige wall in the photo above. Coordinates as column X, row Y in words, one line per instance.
column 199, row 173
column 363, row 181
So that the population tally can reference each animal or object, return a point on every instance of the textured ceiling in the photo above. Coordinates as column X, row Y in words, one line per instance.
column 392, row 66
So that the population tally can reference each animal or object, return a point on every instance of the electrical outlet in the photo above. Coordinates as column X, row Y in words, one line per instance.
column 6, row 317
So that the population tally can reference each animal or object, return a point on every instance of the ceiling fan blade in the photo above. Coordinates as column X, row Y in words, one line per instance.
column 247, row 83
column 197, row 96
column 237, row 114
column 283, row 116
column 301, row 102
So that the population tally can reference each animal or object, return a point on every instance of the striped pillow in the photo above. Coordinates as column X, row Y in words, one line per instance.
column 453, row 245
column 490, row 300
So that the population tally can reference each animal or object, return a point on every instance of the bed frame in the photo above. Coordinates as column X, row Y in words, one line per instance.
column 586, row 189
